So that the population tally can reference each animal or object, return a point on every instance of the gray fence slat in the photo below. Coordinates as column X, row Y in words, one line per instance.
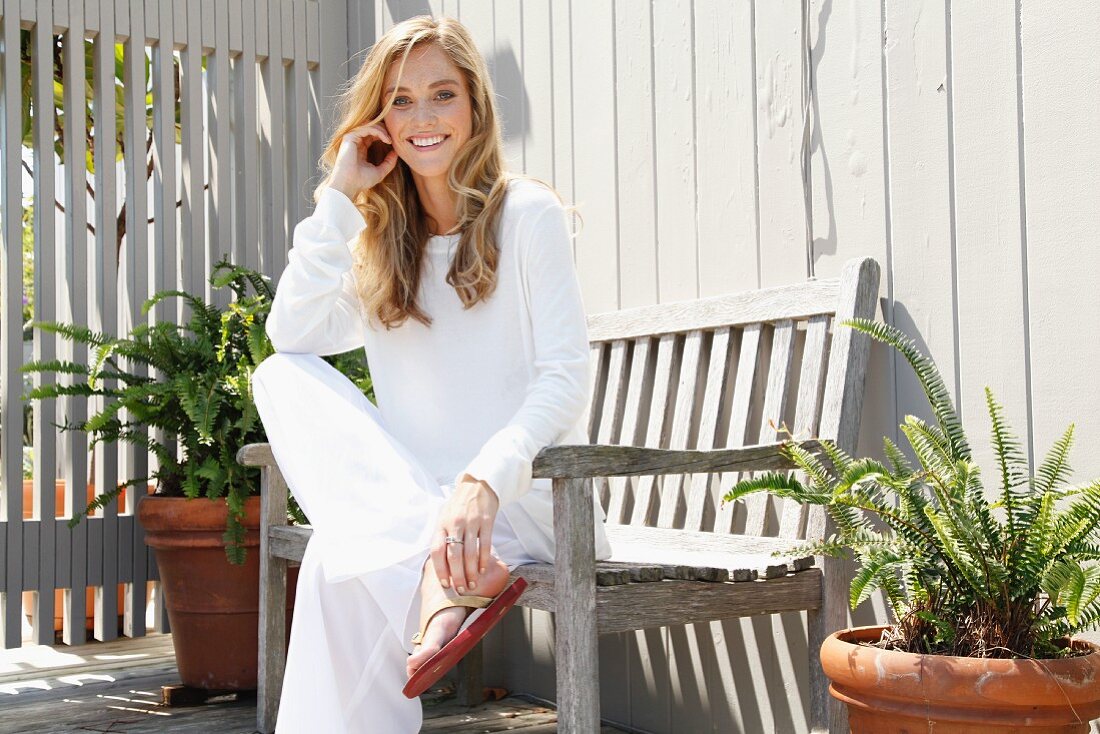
column 265, row 145
column 135, row 266
column 221, row 151
column 247, row 174
column 164, row 174
column 193, row 214
column 301, row 171
column 45, row 291
column 106, row 303
column 73, row 274
column 272, row 152
column 11, row 330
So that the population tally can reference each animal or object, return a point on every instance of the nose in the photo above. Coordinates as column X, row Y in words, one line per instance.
column 424, row 113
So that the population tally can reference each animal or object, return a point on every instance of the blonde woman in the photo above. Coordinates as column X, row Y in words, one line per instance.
column 458, row 279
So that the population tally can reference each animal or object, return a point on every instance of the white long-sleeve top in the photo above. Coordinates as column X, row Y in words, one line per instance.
column 481, row 390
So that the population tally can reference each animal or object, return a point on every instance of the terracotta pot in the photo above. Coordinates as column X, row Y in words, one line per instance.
column 213, row 605
column 889, row 692
column 59, row 595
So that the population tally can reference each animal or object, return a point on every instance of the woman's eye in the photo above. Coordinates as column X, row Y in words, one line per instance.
column 449, row 95
column 398, row 100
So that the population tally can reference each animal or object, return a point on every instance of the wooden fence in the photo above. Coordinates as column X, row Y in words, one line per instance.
column 216, row 160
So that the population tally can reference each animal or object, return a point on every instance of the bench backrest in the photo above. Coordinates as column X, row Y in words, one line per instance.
column 728, row 371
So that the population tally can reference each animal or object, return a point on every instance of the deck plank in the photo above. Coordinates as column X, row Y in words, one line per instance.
column 115, row 686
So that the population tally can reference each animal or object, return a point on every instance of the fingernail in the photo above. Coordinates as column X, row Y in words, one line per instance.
column 473, row 584
column 445, row 584
column 482, row 570
column 460, row 589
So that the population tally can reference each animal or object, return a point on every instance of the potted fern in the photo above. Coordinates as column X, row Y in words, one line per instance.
column 986, row 595
column 191, row 384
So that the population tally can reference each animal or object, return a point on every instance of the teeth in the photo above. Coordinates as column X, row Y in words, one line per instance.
column 422, row 142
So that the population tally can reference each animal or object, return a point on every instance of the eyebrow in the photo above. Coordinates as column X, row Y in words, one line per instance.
column 433, row 85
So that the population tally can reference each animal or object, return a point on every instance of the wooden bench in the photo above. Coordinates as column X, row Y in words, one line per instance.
column 686, row 396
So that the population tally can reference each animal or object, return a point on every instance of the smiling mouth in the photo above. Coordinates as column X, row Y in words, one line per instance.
column 429, row 147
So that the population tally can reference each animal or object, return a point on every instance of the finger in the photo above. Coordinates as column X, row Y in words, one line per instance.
column 388, row 163
column 439, row 560
column 382, row 133
column 470, row 555
column 454, row 563
column 484, row 546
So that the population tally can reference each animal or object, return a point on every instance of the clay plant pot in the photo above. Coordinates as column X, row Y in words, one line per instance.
column 889, row 692
column 213, row 605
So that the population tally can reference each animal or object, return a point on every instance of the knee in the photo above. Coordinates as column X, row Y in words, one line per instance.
column 280, row 365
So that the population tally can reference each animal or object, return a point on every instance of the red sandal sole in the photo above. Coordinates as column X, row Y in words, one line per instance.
column 448, row 656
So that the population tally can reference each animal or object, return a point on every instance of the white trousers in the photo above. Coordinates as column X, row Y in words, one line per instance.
column 374, row 510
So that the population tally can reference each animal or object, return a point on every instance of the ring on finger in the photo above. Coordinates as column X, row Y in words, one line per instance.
column 452, row 539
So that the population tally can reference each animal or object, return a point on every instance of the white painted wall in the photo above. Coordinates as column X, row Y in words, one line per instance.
column 955, row 142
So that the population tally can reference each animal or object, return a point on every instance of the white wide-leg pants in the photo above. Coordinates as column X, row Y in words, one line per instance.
column 374, row 510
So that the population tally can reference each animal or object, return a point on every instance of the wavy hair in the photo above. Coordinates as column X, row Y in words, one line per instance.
column 388, row 256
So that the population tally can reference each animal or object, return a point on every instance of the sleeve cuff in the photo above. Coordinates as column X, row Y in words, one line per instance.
column 336, row 209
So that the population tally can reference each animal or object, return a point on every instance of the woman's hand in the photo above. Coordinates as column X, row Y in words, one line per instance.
column 353, row 171
column 468, row 514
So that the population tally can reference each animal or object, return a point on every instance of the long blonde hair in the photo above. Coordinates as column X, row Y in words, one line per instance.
column 388, row 256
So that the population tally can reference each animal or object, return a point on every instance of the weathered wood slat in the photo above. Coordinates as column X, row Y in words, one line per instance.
column 611, row 415
column 579, row 460
column 768, row 305
column 687, row 380
column 716, row 383
column 775, row 403
column 811, row 382
column 620, row 486
column 667, row 603
column 655, row 431
column 739, row 415
column 595, row 365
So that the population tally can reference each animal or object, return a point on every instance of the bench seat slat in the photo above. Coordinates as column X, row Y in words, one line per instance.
column 674, row 602
column 595, row 460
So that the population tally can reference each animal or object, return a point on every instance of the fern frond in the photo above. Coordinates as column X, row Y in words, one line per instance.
column 930, row 380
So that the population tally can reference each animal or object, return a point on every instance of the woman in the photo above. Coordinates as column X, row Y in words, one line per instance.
column 458, row 279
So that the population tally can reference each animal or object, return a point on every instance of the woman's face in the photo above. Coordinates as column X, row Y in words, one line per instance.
column 431, row 102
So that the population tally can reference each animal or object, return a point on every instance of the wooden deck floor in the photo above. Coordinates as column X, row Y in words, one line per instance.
column 116, row 687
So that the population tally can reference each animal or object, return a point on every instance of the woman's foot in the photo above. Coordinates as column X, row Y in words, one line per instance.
column 445, row 624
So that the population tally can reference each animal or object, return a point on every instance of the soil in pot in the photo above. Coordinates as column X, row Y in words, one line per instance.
column 890, row 692
column 213, row 605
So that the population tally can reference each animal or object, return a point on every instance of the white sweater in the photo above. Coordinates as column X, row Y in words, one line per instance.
column 481, row 390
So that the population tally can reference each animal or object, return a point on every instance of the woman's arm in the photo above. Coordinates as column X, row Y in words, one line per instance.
column 316, row 309
column 559, row 393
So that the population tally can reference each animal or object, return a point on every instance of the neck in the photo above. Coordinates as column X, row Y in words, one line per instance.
column 438, row 202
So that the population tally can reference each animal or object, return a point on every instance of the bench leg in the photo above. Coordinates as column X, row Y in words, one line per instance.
column 469, row 689
column 827, row 715
column 575, row 631
column 272, row 641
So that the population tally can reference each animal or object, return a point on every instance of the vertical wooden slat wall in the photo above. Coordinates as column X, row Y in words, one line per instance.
column 203, row 199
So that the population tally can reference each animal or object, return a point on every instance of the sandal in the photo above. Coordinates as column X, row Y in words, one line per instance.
column 487, row 612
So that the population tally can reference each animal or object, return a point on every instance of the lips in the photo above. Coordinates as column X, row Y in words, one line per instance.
column 429, row 147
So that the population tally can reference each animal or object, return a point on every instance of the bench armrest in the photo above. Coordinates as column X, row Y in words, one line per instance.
column 602, row 460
